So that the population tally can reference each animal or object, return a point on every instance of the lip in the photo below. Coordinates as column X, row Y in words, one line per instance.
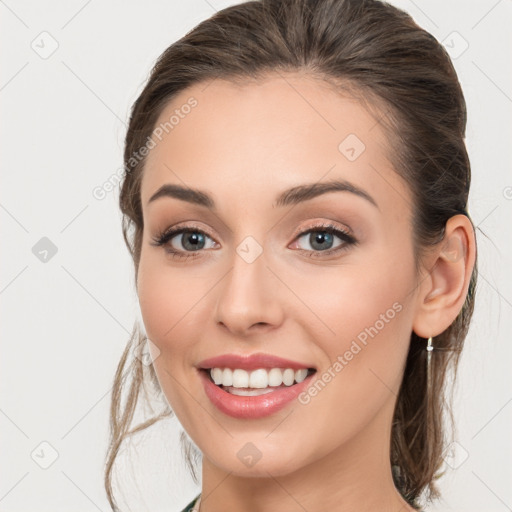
column 251, row 362
column 251, row 407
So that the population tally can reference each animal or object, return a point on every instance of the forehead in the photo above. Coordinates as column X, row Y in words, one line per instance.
column 257, row 138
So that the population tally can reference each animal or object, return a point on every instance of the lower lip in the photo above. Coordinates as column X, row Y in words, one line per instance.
column 250, row 407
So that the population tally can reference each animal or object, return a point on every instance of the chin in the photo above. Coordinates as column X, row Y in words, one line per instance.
column 250, row 461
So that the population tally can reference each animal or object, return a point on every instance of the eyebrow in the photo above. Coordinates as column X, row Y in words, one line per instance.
column 291, row 196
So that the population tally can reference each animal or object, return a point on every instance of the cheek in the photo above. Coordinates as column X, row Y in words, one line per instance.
column 367, row 310
column 172, row 303
column 371, row 321
column 156, row 302
column 354, row 298
column 166, row 297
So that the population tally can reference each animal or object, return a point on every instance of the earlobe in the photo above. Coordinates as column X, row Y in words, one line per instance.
column 443, row 292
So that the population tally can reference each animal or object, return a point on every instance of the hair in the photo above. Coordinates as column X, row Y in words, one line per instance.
column 378, row 53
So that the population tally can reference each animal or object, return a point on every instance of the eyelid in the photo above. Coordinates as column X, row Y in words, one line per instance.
column 319, row 224
column 314, row 225
column 179, row 228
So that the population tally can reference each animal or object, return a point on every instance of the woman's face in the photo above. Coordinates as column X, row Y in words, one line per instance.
column 257, row 273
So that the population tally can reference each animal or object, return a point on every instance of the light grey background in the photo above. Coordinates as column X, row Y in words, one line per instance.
column 66, row 320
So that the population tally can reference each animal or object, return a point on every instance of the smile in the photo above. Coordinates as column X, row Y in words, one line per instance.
column 260, row 379
column 247, row 397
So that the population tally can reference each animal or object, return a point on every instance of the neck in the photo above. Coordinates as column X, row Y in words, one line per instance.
column 354, row 476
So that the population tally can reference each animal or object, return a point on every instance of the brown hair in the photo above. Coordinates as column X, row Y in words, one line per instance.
column 381, row 55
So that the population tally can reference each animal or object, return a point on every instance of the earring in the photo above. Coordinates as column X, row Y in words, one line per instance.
column 430, row 348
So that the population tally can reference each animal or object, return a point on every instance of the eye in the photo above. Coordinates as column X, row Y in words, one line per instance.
column 190, row 239
column 322, row 238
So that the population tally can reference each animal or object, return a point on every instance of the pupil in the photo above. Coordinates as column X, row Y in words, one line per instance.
column 194, row 239
column 321, row 238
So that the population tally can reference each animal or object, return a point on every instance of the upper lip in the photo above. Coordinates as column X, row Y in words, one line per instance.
column 250, row 362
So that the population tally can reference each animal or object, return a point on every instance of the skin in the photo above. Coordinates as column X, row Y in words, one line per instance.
column 244, row 144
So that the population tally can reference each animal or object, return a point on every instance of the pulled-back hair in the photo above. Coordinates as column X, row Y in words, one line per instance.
column 378, row 53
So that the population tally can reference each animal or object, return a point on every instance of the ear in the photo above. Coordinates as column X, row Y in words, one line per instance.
column 444, row 287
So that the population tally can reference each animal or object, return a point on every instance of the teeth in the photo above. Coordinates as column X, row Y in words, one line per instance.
column 288, row 377
column 257, row 379
column 240, row 379
column 275, row 377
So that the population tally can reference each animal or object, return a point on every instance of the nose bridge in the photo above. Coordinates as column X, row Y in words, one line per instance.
column 249, row 293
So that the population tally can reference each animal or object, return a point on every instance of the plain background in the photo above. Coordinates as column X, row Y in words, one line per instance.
column 66, row 315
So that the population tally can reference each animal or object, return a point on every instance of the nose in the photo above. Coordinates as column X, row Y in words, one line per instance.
column 249, row 298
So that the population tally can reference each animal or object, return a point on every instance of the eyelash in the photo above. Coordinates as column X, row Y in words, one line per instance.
column 164, row 237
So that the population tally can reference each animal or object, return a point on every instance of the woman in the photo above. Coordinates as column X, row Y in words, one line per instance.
column 295, row 203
